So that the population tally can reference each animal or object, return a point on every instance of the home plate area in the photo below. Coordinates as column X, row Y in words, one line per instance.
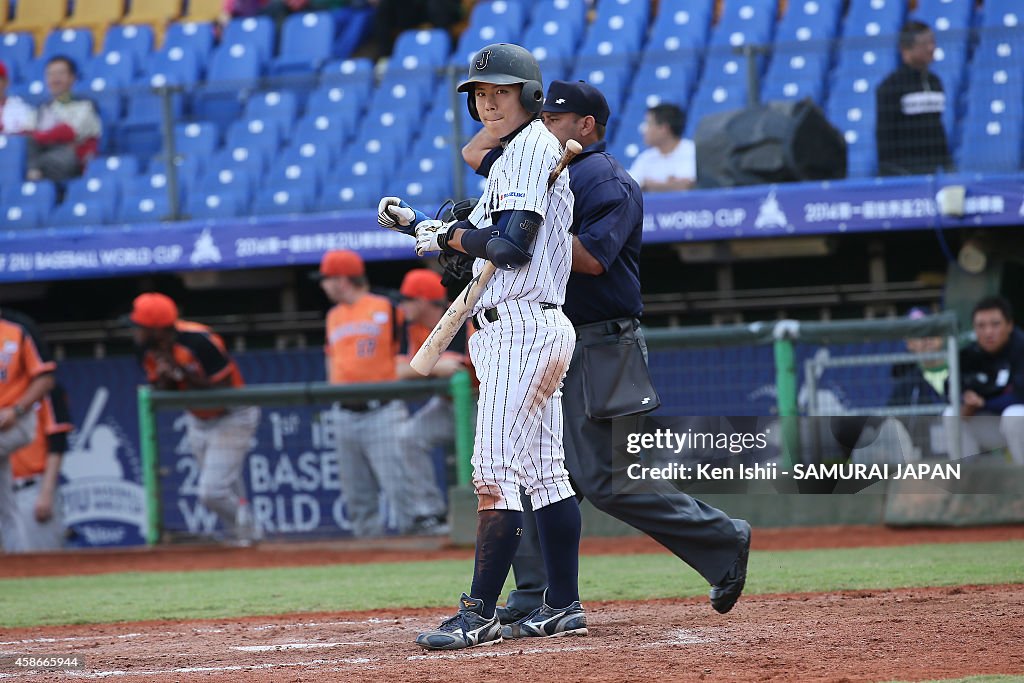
column 909, row 634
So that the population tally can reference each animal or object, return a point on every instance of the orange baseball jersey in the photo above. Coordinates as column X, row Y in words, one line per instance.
column 52, row 429
column 200, row 351
column 22, row 357
column 416, row 335
column 363, row 340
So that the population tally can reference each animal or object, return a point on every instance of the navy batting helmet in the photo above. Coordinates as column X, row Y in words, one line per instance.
column 505, row 64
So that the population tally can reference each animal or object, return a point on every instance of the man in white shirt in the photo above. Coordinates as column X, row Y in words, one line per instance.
column 670, row 162
column 16, row 116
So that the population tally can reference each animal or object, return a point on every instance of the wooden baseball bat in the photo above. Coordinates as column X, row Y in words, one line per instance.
column 455, row 317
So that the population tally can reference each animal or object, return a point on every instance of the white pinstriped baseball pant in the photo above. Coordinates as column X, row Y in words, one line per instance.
column 521, row 359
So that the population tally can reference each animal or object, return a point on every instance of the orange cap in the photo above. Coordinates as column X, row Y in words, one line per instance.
column 421, row 283
column 154, row 310
column 341, row 263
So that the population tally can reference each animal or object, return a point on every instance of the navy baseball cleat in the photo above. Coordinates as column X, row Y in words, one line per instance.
column 468, row 628
column 725, row 593
column 545, row 622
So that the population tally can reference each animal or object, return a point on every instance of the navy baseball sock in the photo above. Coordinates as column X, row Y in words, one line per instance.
column 497, row 539
column 558, row 526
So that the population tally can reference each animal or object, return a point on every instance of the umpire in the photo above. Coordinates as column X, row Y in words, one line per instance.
column 603, row 302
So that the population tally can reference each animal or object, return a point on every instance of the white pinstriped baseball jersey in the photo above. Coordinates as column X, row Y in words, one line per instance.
column 518, row 180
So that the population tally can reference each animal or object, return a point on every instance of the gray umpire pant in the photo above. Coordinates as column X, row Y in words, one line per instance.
column 701, row 536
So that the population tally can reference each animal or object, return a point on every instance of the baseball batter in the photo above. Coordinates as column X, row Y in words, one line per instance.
column 181, row 355
column 521, row 352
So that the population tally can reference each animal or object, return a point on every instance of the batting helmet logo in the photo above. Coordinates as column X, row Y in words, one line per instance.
column 481, row 62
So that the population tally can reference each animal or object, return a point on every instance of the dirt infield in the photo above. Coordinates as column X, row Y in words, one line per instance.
column 907, row 634
column 408, row 549
column 851, row 636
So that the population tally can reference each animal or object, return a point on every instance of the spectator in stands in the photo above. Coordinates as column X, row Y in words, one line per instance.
column 36, row 471
column 15, row 115
column 394, row 16
column 363, row 339
column 992, row 381
column 68, row 128
column 924, row 382
column 26, row 377
column 670, row 161
column 424, row 301
column 908, row 130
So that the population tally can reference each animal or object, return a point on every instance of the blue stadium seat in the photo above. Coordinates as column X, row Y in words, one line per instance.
column 855, row 118
column 553, row 44
column 745, row 22
column 683, row 22
column 255, row 134
column 286, row 173
column 33, row 82
column 419, row 167
column 395, row 123
column 16, row 51
column 276, row 106
column 103, row 192
column 991, row 149
column 188, row 171
column 179, row 64
column 435, row 135
column 296, row 198
column 130, row 38
column 342, row 193
column 321, row 129
column 634, row 9
column 1006, row 13
column 233, row 68
column 369, row 162
column 195, row 139
column 352, row 31
column 343, row 102
column 946, row 15
column 318, row 156
column 711, row 99
column 612, row 82
column 348, row 72
column 669, row 80
column 12, row 159
column 569, row 13
column 20, row 216
column 871, row 58
column 306, row 41
column 115, row 67
column 879, row 19
column 809, row 20
column 999, row 48
column 235, row 181
column 40, row 193
column 194, row 37
column 474, row 185
column 79, row 213
column 420, row 49
column 428, row 192
column 614, row 34
column 208, row 205
column 477, row 36
column 795, row 75
column 409, row 90
column 143, row 209
column 121, row 168
column 256, row 32
column 253, row 161
column 69, row 42
column 105, row 80
column 510, row 15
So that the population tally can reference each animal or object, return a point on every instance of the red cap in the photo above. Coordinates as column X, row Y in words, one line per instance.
column 154, row 310
column 421, row 283
column 3, row 71
column 341, row 263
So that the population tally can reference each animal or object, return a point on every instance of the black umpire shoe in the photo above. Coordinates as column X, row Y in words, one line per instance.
column 725, row 594
column 510, row 615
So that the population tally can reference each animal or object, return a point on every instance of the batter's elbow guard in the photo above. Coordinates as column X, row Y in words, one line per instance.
column 509, row 248
column 505, row 254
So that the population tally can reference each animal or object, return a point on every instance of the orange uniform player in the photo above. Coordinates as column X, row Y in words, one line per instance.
column 181, row 355
column 36, row 471
column 26, row 376
column 363, row 340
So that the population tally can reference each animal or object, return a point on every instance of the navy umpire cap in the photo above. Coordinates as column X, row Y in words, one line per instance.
column 577, row 97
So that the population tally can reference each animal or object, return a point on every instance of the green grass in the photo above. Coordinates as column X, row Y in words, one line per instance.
column 229, row 593
column 976, row 679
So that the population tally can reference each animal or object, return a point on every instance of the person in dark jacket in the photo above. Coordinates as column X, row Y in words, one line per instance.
column 992, row 378
column 908, row 128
